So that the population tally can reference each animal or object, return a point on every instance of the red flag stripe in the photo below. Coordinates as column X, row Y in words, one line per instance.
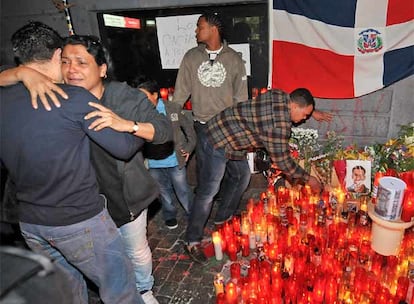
column 327, row 73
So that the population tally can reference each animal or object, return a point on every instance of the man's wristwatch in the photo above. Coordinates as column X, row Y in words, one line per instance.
column 135, row 128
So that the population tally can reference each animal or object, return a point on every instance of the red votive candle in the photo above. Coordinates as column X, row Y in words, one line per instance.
column 383, row 296
column 373, row 283
column 272, row 252
column 377, row 264
column 253, row 289
column 164, row 93
column 220, row 298
column 232, row 250
column 291, row 289
column 277, row 284
column 360, row 281
column 231, row 293
column 331, row 289
column 228, row 230
column 300, row 264
column 253, row 275
column 245, row 291
column 245, row 245
column 264, row 288
column 235, row 271
column 302, row 298
column 408, row 178
column 318, row 290
column 236, row 224
column 261, row 300
column 254, row 264
column 407, row 212
column 402, row 288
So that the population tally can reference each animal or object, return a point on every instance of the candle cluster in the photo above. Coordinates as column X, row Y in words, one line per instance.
column 304, row 249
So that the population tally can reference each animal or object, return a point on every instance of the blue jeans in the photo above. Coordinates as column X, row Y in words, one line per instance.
column 236, row 177
column 92, row 248
column 134, row 235
column 211, row 166
column 172, row 180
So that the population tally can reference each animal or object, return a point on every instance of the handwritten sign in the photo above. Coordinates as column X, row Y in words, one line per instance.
column 176, row 35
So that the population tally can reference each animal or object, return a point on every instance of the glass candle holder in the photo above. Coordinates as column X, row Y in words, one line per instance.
column 245, row 245
column 221, row 298
column 219, row 284
column 402, row 288
column 235, row 270
column 407, row 212
column 231, row 293
column 164, row 93
column 232, row 250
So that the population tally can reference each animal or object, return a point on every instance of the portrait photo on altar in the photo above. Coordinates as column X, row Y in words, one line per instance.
column 358, row 176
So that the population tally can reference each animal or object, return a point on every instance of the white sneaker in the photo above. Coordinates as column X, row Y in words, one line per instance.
column 149, row 298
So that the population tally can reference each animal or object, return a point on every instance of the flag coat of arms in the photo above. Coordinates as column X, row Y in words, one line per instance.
column 342, row 48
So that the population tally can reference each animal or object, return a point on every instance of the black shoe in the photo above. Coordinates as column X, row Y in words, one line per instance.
column 171, row 224
column 219, row 222
column 196, row 254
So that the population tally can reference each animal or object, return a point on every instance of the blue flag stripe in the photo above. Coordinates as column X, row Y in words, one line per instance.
column 335, row 12
column 398, row 64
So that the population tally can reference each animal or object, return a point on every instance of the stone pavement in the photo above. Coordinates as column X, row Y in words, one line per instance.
column 178, row 280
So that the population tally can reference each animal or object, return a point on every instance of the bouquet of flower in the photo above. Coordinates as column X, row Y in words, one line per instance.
column 304, row 143
column 330, row 149
column 333, row 145
column 396, row 154
column 405, row 153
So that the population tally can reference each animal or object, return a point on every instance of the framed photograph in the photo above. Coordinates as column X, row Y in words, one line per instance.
column 358, row 176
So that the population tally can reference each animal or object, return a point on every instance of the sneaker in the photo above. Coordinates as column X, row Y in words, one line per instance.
column 171, row 224
column 196, row 254
column 148, row 297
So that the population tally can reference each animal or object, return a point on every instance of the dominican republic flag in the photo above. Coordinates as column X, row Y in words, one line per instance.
column 341, row 48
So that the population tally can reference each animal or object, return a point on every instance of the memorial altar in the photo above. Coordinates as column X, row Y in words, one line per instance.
column 292, row 246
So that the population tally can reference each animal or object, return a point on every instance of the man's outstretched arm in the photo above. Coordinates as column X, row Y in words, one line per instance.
column 38, row 84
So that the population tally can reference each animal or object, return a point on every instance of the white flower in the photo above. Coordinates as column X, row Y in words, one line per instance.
column 409, row 140
column 307, row 141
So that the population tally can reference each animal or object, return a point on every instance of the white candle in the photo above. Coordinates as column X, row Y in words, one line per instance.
column 252, row 240
column 217, row 246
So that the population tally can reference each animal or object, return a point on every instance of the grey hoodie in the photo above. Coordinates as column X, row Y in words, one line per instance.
column 213, row 85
